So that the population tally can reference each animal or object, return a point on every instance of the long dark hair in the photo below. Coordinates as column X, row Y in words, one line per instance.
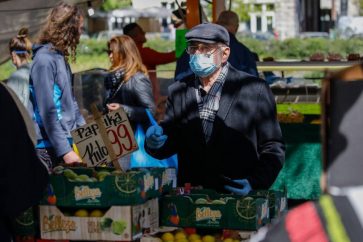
column 62, row 29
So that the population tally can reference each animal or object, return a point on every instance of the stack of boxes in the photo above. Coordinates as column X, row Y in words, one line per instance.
column 103, row 204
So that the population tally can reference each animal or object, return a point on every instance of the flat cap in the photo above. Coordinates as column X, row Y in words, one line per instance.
column 208, row 33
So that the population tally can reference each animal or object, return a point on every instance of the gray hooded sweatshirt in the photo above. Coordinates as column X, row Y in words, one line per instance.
column 52, row 105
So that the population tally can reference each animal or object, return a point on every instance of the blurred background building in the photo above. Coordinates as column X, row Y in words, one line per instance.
column 288, row 18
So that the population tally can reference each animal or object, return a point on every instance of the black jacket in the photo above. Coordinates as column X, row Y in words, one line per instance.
column 246, row 141
column 135, row 95
column 23, row 177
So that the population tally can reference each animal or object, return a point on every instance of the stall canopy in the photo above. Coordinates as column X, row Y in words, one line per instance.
column 15, row 14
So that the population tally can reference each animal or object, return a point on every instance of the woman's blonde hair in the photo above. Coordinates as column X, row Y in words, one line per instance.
column 20, row 44
column 62, row 29
column 125, row 55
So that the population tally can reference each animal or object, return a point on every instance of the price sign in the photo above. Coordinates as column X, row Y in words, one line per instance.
column 106, row 139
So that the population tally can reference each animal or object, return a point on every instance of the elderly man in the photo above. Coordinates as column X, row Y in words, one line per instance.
column 221, row 122
column 240, row 57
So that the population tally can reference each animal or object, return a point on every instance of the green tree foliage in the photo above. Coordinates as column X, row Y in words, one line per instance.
column 92, row 53
column 242, row 10
column 115, row 4
column 302, row 49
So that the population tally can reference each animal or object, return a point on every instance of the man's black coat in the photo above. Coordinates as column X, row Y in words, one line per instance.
column 246, row 141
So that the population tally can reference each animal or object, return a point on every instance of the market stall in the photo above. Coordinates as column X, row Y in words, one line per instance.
column 298, row 107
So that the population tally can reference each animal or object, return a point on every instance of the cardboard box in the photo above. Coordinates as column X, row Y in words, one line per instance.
column 119, row 223
column 277, row 201
column 115, row 188
column 26, row 223
column 106, row 139
column 207, row 209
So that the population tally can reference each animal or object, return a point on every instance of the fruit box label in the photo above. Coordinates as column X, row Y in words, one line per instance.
column 119, row 223
column 91, row 145
column 207, row 214
column 85, row 192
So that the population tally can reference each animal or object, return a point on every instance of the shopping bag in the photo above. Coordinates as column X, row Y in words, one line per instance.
column 140, row 158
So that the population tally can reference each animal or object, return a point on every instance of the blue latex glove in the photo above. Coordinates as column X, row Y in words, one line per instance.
column 154, row 137
column 240, row 191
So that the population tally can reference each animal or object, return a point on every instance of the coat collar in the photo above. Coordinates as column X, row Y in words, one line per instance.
column 230, row 92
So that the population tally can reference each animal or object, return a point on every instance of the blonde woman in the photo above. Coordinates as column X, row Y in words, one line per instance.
column 127, row 84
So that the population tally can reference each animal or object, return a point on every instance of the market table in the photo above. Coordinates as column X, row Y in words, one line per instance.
column 304, row 65
column 301, row 172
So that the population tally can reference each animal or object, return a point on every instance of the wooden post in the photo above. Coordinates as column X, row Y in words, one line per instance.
column 218, row 7
column 193, row 13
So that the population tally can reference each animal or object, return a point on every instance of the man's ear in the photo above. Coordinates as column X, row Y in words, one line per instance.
column 225, row 54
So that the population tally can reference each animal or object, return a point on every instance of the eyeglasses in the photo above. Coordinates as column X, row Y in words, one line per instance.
column 203, row 49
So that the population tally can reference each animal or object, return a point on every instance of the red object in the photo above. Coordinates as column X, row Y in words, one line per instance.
column 25, row 238
column 174, row 219
column 187, row 188
column 52, row 200
column 226, row 234
column 304, row 225
column 190, row 231
column 151, row 58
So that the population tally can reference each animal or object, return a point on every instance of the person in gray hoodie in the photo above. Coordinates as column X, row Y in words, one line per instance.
column 52, row 104
column 20, row 48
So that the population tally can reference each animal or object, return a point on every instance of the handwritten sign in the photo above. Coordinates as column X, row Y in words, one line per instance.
column 91, row 142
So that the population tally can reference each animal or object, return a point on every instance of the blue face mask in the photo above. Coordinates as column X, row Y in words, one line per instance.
column 202, row 65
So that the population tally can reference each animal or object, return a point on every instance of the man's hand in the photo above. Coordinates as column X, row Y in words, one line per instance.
column 71, row 157
column 113, row 106
column 154, row 137
column 240, row 191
